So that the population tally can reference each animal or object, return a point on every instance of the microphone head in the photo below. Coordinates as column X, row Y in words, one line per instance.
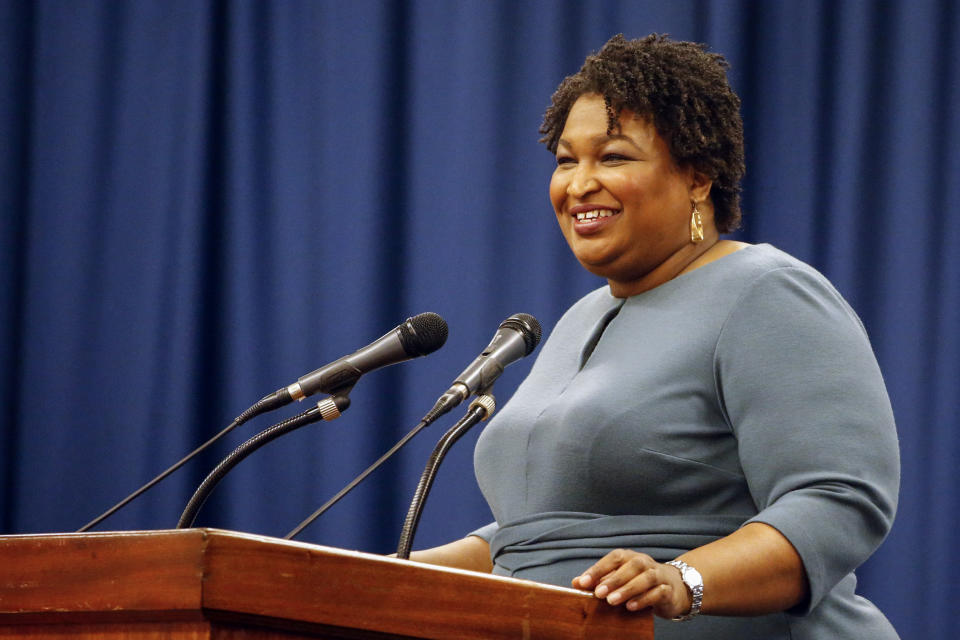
column 527, row 326
column 423, row 334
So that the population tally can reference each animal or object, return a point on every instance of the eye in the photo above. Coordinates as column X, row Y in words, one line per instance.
column 614, row 157
column 562, row 160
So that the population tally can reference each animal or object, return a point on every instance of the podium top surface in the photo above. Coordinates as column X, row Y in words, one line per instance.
column 196, row 574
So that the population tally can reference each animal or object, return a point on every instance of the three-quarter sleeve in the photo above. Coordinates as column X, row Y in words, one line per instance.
column 485, row 532
column 803, row 394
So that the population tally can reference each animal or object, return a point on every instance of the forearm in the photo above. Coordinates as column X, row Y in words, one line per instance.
column 471, row 553
column 753, row 571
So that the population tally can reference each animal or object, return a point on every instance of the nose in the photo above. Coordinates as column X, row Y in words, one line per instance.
column 582, row 182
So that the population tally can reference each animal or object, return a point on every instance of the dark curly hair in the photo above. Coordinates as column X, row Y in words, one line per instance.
column 684, row 89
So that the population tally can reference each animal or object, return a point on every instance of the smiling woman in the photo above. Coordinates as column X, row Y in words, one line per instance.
column 622, row 202
column 709, row 435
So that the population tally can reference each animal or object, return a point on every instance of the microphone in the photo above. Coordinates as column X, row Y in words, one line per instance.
column 417, row 336
column 516, row 337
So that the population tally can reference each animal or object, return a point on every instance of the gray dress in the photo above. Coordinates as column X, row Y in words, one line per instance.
column 744, row 391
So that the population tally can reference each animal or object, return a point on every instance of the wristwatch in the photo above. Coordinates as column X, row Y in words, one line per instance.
column 694, row 581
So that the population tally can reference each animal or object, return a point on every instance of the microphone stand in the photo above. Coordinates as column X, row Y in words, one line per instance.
column 327, row 409
column 480, row 409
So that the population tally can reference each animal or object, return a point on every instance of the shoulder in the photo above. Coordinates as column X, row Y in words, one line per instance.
column 787, row 317
column 758, row 260
column 779, row 283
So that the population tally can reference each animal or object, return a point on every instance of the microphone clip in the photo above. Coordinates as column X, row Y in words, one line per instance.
column 333, row 407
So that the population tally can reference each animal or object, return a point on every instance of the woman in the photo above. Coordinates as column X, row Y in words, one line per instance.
column 709, row 435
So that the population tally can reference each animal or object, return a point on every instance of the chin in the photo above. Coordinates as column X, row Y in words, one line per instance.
column 601, row 269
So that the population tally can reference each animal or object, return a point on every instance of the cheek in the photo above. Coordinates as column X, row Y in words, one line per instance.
column 558, row 190
column 635, row 189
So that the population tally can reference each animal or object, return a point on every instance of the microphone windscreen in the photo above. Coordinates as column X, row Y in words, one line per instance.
column 423, row 334
column 527, row 326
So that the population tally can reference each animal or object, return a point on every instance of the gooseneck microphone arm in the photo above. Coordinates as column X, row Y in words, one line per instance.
column 329, row 409
column 480, row 409
column 425, row 422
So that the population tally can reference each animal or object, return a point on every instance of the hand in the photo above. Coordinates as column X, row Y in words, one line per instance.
column 638, row 581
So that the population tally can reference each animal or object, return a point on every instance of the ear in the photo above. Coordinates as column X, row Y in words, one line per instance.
column 699, row 186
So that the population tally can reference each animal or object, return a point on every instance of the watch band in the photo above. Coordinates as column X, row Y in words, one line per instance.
column 694, row 581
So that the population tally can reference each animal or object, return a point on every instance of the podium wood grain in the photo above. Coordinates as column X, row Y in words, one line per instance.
column 205, row 583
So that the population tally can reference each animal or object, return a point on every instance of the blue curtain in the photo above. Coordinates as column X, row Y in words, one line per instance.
column 203, row 200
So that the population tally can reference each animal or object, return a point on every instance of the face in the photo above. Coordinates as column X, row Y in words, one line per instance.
column 622, row 203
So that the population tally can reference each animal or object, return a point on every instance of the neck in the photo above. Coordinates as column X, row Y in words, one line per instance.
column 690, row 257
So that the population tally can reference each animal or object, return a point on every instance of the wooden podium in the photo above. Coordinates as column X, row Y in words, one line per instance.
column 195, row 584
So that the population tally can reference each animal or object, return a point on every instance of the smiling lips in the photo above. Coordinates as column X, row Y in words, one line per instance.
column 590, row 221
column 596, row 213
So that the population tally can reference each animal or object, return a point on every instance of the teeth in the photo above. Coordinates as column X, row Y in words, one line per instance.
column 596, row 213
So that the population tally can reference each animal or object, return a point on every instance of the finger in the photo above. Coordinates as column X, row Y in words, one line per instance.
column 605, row 565
column 660, row 598
column 637, row 572
column 637, row 585
column 668, row 597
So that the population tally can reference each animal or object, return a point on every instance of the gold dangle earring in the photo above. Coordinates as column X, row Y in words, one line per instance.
column 696, row 225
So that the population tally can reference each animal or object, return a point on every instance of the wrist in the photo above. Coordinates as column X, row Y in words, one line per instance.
column 693, row 581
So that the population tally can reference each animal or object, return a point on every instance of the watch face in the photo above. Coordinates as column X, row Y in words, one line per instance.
column 692, row 577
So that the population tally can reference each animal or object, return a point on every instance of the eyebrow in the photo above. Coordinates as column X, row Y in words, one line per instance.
column 596, row 141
